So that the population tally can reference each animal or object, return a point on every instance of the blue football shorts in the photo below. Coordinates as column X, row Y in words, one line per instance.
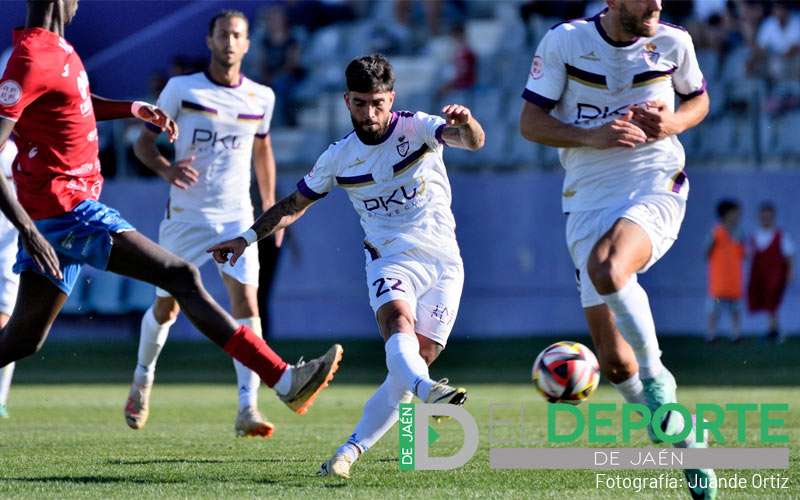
column 80, row 236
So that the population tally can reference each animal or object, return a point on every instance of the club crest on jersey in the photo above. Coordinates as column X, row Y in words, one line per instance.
column 651, row 57
column 537, row 68
column 10, row 93
column 402, row 148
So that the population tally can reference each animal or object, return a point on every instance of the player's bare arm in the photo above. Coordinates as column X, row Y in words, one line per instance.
column 264, row 162
column 462, row 129
column 107, row 109
column 659, row 122
column 181, row 174
column 536, row 125
column 281, row 215
column 37, row 246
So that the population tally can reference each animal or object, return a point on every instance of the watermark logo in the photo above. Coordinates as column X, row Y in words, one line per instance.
column 416, row 436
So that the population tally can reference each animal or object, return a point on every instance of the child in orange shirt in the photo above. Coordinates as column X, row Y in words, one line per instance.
column 726, row 253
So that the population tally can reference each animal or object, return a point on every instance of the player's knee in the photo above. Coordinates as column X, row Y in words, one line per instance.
column 182, row 278
column 607, row 276
column 166, row 310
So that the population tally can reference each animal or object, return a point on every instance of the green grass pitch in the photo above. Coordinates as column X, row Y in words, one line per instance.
column 67, row 440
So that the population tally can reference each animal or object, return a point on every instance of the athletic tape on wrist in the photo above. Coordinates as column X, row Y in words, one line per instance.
column 249, row 236
column 137, row 105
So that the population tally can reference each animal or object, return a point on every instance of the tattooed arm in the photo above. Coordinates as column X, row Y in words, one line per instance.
column 279, row 216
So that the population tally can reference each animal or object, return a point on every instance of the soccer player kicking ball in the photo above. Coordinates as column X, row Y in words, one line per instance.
column 392, row 169
column 45, row 99
column 225, row 120
column 602, row 89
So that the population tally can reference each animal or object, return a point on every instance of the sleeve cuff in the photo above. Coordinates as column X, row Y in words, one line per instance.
column 309, row 193
column 152, row 128
column 262, row 136
column 692, row 95
column 539, row 100
column 438, row 134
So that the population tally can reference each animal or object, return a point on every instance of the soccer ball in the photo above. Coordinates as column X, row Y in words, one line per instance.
column 566, row 372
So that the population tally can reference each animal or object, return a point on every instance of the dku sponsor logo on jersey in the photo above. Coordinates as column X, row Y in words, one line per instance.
column 588, row 112
column 402, row 198
column 202, row 137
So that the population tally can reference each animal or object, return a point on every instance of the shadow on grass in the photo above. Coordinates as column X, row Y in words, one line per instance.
column 200, row 461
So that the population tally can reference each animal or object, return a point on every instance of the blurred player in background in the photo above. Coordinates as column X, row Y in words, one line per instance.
column 46, row 100
column 602, row 89
column 772, row 268
column 224, row 119
column 392, row 168
column 726, row 252
column 9, row 281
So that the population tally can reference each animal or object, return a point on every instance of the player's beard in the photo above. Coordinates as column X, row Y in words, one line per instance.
column 635, row 25
column 368, row 136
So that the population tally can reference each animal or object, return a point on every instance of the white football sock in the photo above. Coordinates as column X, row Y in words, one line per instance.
column 380, row 414
column 635, row 322
column 246, row 379
column 6, row 373
column 284, row 384
column 406, row 365
column 152, row 338
column 631, row 389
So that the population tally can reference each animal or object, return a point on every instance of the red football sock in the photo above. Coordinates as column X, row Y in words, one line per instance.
column 253, row 352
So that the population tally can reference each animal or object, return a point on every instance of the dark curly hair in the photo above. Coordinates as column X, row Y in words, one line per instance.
column 371, row 73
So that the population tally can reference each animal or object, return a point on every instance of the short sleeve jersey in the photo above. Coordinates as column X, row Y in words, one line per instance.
column 399, row 187
column 45, row 90
column 586, row 79
column 217, row 126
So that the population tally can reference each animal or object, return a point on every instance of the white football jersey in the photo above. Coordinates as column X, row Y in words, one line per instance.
column 398, row 187
column 7, row 156
column 217, row 125
column 587, row 79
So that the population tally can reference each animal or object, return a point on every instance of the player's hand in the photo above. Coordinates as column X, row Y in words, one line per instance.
column 42, row 253
column 657, row 121
column 230, row 249
column 620, row 133
column 153, row 114
column 456, row 114
column 181, row 174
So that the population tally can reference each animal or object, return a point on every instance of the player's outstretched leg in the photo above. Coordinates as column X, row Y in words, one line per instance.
column 153, row 333
column 298, row 386
column 612, row 267
column 380, row 414
column 403, row 358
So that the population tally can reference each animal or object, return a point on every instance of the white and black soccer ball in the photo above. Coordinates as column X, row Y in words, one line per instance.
column 566, row 372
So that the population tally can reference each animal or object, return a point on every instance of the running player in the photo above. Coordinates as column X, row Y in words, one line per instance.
column 45, row 99
column 9, row 281
column 225, row 121
column 392, row 169
column 602, row 89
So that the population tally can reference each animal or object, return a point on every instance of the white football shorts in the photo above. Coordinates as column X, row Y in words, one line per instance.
column 430, row 285
column 9, row 281
column 660, row 215
column 190, row 240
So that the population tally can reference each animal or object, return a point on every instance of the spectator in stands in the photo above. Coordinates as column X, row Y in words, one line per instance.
column 778, row 40
column 280, row 64
column 725, row 254
column 771, row 269
column 462, row 73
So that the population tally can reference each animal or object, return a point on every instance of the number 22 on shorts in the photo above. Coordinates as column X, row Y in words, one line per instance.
column 385, row 285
